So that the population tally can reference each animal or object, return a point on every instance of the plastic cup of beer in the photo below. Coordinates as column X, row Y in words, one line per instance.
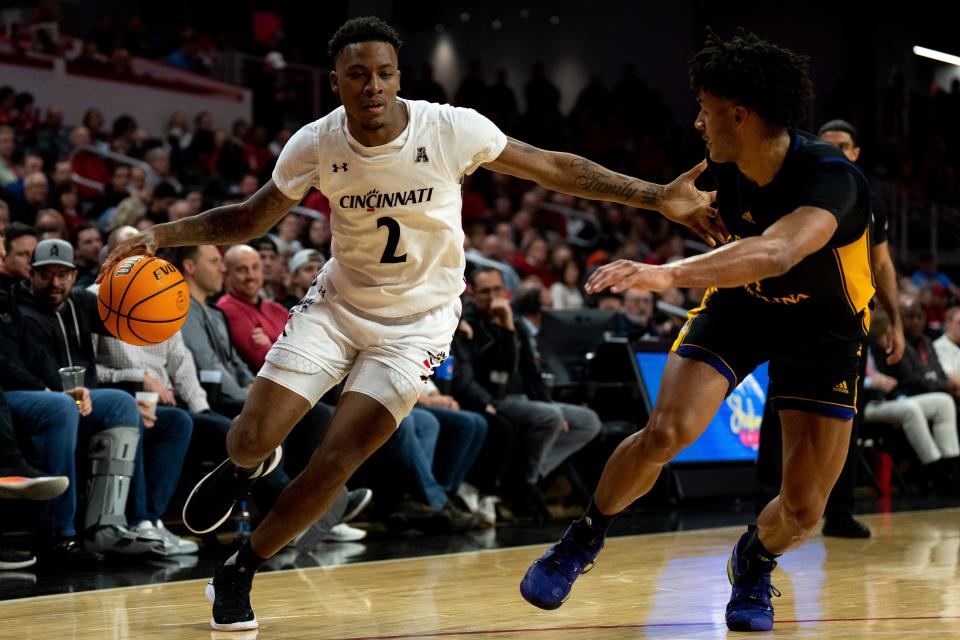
column 72, row 379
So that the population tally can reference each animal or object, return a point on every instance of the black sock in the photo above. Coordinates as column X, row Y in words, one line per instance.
column 246, row 558
column 759, row 560
column 596, row 521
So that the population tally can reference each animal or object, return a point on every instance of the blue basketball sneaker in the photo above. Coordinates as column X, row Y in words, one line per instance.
column 749, row 608
column 549, row 579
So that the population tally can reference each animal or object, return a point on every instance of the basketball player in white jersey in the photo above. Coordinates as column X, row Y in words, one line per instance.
column 383, row 310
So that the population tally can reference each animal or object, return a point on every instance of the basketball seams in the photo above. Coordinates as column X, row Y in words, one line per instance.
column 136, row 334
column 154, row 295
column 133, row 276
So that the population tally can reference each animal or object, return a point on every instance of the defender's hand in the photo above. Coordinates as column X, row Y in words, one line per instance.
column 685, row 204
column 627, row 274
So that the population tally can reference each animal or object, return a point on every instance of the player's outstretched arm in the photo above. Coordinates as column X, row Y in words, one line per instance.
column 785, row 243
column 224, row 225
column 679, row 201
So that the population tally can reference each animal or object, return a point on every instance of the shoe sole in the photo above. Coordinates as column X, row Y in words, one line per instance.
column 20, row 564
column 347, row 517
column 45, row 488
column 246, row 625
column 550, row 605
column 741, row 625
column 269, row 469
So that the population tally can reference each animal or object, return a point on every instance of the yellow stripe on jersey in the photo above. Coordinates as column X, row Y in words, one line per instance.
column 691, row 315
column 856, row 272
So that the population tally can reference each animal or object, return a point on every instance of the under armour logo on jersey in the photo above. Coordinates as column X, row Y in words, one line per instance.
column 422, row 155
column 339, row 167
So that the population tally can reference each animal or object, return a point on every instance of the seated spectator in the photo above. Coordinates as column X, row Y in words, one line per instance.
column 4, row 215
column 303, row 268
column 318, row 235
column 927, row 277
column 566, row 292
column 19, row 242
column 504, row 363
column 288, row 234
column 51, row 220
column 8, row 145
column 635, row 317
column 206, row 335
column 535, row 261
column 927, row 419
column 919, row 370
column 60, row 323
column 273, row 267
column 462, row 434
column 36, row 190
column 411, row 494
column 254, row 321
column 88, row 242
column 947, row 347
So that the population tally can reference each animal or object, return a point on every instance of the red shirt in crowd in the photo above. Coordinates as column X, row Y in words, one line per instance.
column 244, row 319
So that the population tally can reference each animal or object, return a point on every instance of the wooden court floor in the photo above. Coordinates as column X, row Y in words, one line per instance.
column 901, row 583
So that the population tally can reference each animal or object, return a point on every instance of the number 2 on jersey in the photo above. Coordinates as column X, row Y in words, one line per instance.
column 393, row 239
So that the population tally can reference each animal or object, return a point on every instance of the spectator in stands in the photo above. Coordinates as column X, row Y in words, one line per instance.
column 461, row 437
column 66, row 200
column 505, row 368
column 28, row 163
column 4, row 215
column 93, row 121
column 88, row 242
column 61, row 323
column 187, row 56
column 254, row 321
column 50, row 223
column 273, row 268
column 164, row 195
column 413, row 496
column 303, row 268
column 288, row 234
column 927, row 419
column 159, row 160
column 919, row 371
column 566, row 292
column 62, row 175
column 35, row 193
column 128, row 213
column 115, row 191
column 318, row 235
column 535, row 261
column 206, row 336
column 19, row 243
column 635, row 318
column 947, row 347
column 179, row 210
column 928, row 277
column 8, row 146
column 53, row 141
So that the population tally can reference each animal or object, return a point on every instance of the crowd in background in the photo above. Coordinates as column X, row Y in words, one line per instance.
column 459, row 454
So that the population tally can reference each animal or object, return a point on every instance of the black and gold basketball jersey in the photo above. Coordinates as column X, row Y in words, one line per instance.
column 832, row 283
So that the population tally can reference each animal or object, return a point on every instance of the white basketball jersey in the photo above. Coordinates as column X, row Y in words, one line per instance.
column 397, row 247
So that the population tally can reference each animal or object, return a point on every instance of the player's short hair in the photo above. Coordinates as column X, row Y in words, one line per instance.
column 839, row 125
column 365, row 29
column 771, row 80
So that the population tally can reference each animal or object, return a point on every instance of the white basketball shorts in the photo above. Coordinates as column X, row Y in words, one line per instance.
column 388, row 359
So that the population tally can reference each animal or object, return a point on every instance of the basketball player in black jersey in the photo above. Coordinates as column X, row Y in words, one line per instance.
column 791, row 287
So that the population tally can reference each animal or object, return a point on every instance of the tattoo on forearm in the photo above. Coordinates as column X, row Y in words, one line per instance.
column 231, row 223
column 595, row 179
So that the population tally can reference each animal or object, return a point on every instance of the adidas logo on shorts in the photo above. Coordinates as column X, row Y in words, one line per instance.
column 842, row 387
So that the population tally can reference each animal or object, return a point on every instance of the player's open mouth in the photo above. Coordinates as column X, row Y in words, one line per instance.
column 374, row 108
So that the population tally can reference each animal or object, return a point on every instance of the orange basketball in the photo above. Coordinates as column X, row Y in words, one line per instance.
column 144, row 300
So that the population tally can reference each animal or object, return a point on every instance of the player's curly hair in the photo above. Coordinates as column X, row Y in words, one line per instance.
column 365, row 29
column 771, row 80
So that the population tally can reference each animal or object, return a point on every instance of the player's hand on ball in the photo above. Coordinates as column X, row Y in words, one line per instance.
column 144, row 243
column 626, row 274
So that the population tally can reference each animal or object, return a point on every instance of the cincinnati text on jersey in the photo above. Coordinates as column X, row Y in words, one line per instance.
column 373, row 199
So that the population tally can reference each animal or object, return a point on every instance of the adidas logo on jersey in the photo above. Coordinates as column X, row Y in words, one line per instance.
column 749, row 218
column 842, row 387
